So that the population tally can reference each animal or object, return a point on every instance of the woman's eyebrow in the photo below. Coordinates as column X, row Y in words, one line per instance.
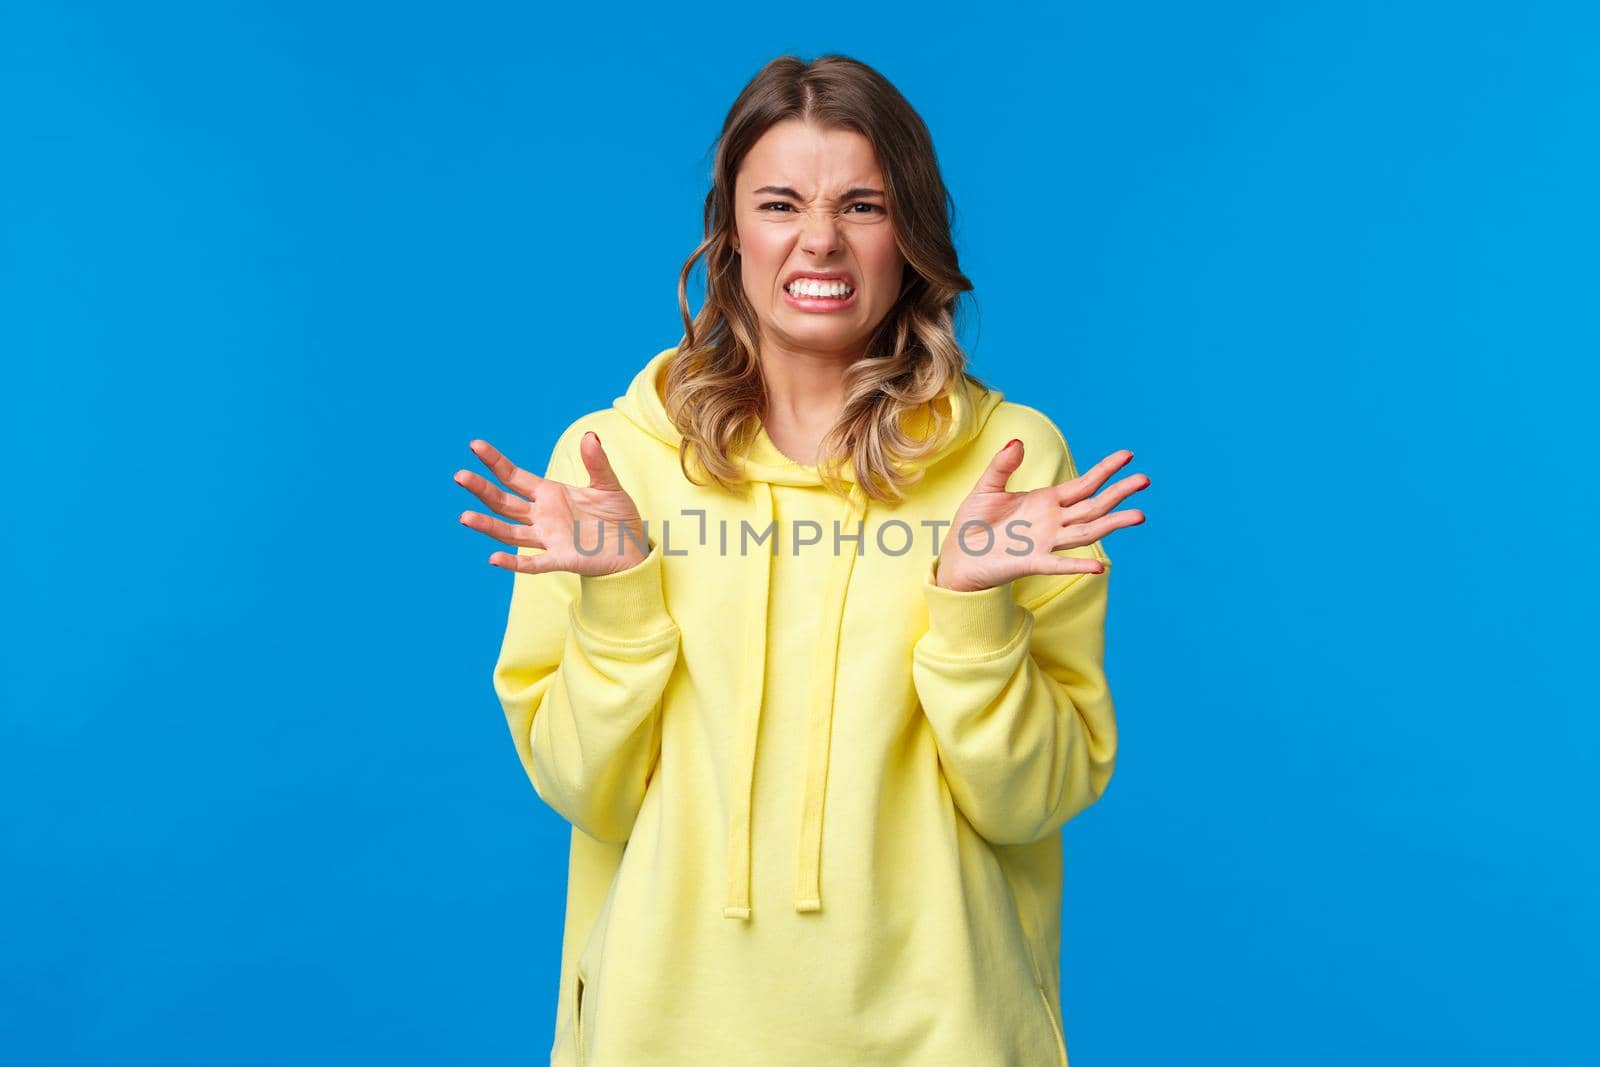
column 784, row 190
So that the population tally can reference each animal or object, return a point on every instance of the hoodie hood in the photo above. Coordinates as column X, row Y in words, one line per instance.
column 967, row 409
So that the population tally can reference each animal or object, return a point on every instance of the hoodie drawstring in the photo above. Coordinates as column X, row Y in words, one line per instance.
column 747, row 722
column 808, row 874
column 808, row 878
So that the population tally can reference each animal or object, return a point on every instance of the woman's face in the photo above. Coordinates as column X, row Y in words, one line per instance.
column 809, row 201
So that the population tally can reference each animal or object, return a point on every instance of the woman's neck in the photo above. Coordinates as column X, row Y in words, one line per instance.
column 805, row 394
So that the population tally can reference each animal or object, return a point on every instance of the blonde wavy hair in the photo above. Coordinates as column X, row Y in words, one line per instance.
column 714, row 390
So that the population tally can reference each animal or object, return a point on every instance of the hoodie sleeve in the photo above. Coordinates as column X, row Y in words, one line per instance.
column 581, row 673
column 1013, row 684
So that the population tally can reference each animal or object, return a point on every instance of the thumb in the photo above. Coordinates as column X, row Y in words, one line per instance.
column 1000, row 469
column 1054, row 564
column 601, row 476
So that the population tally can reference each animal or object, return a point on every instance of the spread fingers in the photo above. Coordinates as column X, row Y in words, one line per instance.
column 506, row 532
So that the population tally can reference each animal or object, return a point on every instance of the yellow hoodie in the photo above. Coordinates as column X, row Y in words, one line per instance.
column 815, row 798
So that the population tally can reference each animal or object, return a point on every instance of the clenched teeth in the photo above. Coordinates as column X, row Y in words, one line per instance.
column 813, row 287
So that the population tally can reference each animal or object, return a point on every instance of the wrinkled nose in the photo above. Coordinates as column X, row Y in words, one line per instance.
column 820, row 234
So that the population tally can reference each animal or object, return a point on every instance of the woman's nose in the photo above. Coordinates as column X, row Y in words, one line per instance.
column 820, row 233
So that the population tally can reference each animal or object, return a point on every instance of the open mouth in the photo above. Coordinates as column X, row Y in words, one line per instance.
column 819, row 289
column 819, row 294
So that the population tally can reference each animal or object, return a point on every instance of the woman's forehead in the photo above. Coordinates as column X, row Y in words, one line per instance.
column 810, row 159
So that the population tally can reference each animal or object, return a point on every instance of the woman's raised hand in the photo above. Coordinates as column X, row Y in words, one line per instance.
column 549, row 513
column 986, row 541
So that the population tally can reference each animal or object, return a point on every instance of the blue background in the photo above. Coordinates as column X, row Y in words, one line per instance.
column 1329, row 271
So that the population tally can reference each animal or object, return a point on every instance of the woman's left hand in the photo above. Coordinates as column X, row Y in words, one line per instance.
column 986, row 541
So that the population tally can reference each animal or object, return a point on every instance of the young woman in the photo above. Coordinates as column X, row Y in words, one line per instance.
column 806, row 635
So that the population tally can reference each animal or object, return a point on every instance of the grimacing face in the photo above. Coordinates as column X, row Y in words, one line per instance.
column 809, row 200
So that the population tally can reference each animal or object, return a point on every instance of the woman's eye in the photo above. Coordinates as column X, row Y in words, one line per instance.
column 870, row 207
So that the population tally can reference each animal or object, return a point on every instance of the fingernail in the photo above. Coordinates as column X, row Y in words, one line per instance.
column 1013, row 441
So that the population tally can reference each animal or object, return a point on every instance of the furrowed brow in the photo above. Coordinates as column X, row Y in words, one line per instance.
column 857, row 193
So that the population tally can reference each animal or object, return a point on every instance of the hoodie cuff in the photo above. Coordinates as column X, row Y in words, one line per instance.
column 628, row 605
column 965, row 624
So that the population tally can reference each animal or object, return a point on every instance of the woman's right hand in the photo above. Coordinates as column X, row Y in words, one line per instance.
column 553, row 510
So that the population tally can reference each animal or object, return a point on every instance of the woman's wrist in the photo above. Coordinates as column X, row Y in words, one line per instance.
column 944, row 578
